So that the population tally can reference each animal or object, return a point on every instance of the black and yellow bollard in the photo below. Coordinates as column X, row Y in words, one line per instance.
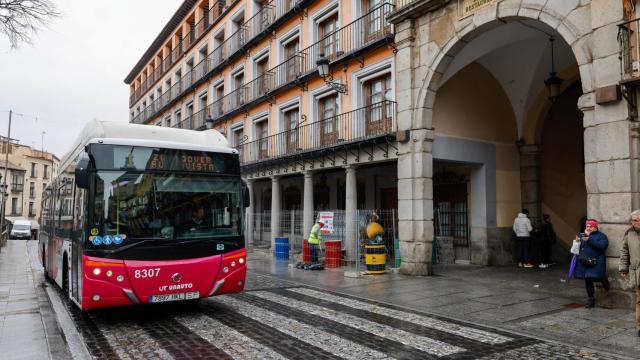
column 375, row 259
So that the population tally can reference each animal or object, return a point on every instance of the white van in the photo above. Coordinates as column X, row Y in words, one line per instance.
column 21, row 229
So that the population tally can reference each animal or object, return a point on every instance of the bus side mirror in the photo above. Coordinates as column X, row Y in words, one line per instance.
column 245, row 195
column 82, row 172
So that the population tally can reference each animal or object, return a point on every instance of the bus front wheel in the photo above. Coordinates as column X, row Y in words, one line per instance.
column 44, row 265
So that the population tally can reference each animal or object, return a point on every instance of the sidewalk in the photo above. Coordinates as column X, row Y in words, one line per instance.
column 533, row 302
column 28, row 329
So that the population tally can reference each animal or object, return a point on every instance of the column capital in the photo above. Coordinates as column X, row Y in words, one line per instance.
column 350, row 167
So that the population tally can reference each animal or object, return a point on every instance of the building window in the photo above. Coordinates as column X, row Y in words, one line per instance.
column 262, row 66
column 375, row 19
column 378, row 114
column 262, row 133
column 291, row 128
column 219, row 103
column 14, row 206
column 32, row 210
column 46, row 172
column 238, row 135
column 177, row 116
column 238, row 82
column 328, row 36
column 328, row 111
column 293, row 60
column 34, row 173
column 32, row 190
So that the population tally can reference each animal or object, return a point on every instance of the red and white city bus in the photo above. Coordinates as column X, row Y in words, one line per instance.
column 144, row 214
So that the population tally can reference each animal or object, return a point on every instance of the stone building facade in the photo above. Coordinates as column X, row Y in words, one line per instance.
column 440, row 42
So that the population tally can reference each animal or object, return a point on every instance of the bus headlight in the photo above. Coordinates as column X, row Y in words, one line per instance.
column 225, row 270
column 120, row 278
column 97, row 271
column 241, row 261
column 233, row 264
column 109, row 273
column 96, row 297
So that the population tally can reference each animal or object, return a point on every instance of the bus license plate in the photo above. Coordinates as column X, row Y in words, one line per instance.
column 174, row 297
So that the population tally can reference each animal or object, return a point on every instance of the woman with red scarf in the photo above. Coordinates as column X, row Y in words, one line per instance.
column 591, row 265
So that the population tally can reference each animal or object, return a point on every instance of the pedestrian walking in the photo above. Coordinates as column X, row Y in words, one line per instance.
column 547, row 239
column 315, row 236
column 630, row 260
column 522, row 227
column 591, row 265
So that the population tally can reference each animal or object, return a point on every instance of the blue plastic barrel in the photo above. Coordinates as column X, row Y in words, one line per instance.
column 282, row 248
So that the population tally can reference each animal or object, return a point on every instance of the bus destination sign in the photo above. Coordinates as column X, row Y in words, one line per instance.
column 177, row 161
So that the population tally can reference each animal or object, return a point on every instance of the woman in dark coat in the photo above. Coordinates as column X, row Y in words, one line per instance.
column 592, row 246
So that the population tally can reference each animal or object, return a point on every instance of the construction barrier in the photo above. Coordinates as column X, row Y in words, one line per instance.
column 375, row 258
column 333, row 253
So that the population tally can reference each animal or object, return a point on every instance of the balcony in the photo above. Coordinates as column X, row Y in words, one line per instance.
column 17, row 187
column 16, row 212
column 629, row 44
column 346, row 43
column 249, row 33
column 370, row 122
column 185, row 43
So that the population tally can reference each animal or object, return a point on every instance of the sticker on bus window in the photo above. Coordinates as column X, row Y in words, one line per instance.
column 118, row 239
column 95, row 231
column 220, row 247
column 108, row 239
column 97, row 240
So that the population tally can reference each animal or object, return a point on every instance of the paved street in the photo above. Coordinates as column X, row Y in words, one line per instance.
column 273, row 319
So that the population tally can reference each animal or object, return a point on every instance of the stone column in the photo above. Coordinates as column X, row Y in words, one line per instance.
column 250, row 214
column 275, row 209
column 530, row 180
column 415, row 203
column 307, row 216
column 608, row 143
column 351, row 206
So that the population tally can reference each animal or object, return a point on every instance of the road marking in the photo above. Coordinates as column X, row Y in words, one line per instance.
column 452, row 328
column 421, row 343
column 228, row 339
column 333, row 344
column 129, row 341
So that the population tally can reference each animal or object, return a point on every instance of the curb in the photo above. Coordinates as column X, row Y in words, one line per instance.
column 72, row 337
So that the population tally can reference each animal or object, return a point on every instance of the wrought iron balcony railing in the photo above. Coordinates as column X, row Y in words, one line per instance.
column 340, row 44
column 373, row 121
column 629, row 54
column 185, row 43
column 17, row 187
column 249, row 32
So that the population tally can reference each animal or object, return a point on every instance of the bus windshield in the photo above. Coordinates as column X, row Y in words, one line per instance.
column 168, row 206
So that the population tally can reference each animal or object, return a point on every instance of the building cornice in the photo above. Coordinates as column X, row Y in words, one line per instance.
column 168, row 29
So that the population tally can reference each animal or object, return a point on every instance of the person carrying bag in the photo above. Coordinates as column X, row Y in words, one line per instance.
column 591, row 265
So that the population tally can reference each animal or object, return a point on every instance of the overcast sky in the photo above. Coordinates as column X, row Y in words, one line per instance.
column 74, row 70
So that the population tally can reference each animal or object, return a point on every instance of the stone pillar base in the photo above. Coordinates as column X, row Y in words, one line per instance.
column 416, row 269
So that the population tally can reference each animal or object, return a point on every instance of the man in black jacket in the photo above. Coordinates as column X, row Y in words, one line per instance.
column 547, row 239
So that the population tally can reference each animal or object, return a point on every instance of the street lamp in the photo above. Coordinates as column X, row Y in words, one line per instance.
column 323, row 71
column 553, row 82
column 209, row 122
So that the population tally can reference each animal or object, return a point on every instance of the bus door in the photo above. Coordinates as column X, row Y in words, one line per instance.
column 77, row 238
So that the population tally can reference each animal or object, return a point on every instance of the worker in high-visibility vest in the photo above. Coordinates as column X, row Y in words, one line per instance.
column 315, row 236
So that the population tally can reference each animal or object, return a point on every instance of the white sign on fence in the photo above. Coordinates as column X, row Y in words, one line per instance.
column 327, row 219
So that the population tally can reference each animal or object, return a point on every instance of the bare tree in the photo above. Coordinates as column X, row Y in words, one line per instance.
column 20, row 19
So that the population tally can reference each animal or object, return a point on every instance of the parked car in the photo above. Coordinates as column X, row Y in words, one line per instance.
column 21, row 230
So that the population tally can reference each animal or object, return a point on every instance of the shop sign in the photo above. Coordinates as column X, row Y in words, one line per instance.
column 327, row 219
column 469, row 7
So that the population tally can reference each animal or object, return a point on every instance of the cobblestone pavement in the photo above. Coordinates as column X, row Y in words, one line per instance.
column 277, row 319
